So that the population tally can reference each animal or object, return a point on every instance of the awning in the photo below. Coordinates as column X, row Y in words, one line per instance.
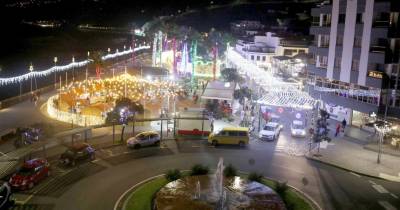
column 219, row 90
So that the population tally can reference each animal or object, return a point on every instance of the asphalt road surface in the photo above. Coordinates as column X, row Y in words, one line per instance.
column 98, row 184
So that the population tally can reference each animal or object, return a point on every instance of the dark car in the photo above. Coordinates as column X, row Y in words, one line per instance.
column 76, row 153
column 6, row 200
column 31, row 173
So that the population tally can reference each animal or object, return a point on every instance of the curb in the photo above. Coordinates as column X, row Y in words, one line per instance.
column 347, row 169
column 120, row 206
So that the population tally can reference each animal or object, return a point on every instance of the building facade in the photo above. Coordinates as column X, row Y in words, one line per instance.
column 355, row 56
column 266, row 46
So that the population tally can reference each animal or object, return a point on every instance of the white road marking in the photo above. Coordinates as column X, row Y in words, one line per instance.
column 355, row 174
column 126, row 152
column 394, row 196
column 387, row 205
column 389, row 177
column 372, row 182
column 379, row 188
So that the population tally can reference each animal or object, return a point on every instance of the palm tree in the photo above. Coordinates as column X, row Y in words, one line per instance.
column 97, row 61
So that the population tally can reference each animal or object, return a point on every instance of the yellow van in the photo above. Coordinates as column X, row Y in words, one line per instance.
column 230, row 135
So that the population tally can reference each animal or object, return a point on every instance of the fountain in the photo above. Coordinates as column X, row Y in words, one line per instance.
column 214, row 192
column 197, row 195
column 219, row 188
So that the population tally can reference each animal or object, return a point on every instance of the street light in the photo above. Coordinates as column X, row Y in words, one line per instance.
column 382, row 132
column 73, row 68
column 31, row 70
column 148, row 77
column 88, row 55
column 55, row 71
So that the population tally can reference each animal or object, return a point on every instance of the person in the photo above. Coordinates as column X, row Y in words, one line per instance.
column 344, row 123
column 337, row 129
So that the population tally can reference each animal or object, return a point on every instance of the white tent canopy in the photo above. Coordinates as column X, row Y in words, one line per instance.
column 219, row 90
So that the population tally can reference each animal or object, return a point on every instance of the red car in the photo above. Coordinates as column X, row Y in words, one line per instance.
column 31, row 172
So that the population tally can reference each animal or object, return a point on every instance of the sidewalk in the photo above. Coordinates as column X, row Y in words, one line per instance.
column 349, row 153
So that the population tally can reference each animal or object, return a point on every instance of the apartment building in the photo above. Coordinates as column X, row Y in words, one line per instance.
column 355, row 57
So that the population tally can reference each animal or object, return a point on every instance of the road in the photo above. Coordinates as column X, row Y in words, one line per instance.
column 98, row 184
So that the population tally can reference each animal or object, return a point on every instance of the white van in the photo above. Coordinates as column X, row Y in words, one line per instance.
column 298, row 129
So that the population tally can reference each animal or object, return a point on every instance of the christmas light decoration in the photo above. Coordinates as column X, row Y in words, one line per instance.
column 293, row 99
column 278, row 93
column 43, row 73
column 103, row 93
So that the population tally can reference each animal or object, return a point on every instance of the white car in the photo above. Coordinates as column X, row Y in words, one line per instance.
column 297, row 129
column 147, row 138
column 270, row 132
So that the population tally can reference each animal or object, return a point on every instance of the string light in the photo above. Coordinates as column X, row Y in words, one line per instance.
column 44, row 73
column 104, row 92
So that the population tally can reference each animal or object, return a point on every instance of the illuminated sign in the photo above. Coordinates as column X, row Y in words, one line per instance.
column 375, row 74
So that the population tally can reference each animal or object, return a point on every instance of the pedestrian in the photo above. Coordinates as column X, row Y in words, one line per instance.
column 344, row 123
column 337, row 129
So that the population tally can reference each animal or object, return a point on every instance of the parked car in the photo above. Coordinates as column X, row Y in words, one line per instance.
column 6, row 199
column 77, row 152
column 297, row 129
column 230, row 135
column 147, row 138
column 31, row 173
column 270, row 132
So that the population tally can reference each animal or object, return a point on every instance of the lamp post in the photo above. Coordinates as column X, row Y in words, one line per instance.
column 382, row 130
column 73, row 68
column 55, row 71
column 31, row 70
column 86, row 74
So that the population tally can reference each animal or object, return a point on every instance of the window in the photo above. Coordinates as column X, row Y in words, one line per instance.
column 223, row 133
column 359, row 18
column 342, row 18
column 357, row 41
column 354, row 65
column 258, row 57
column 326, row 19
column 242, row 133
column 252, row 57
column 338, row 61
column 315, row 21
column 263, row 58
column 232, row 133
column 324, row 40
column 323, row 61
column 339, row 40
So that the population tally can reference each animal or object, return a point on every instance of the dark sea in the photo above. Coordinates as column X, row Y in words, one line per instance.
column 23, row 44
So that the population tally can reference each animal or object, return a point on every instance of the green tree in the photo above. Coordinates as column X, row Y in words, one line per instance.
column 127, row 104
column 230, row 75
column 241, row 94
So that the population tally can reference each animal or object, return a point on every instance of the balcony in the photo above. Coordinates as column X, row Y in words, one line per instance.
column 318, row 50
column 381, row 23
column 320, row 30
column 259, row 50
column 293, row 43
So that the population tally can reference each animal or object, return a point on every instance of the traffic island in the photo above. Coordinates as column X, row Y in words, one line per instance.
column 148, row 194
